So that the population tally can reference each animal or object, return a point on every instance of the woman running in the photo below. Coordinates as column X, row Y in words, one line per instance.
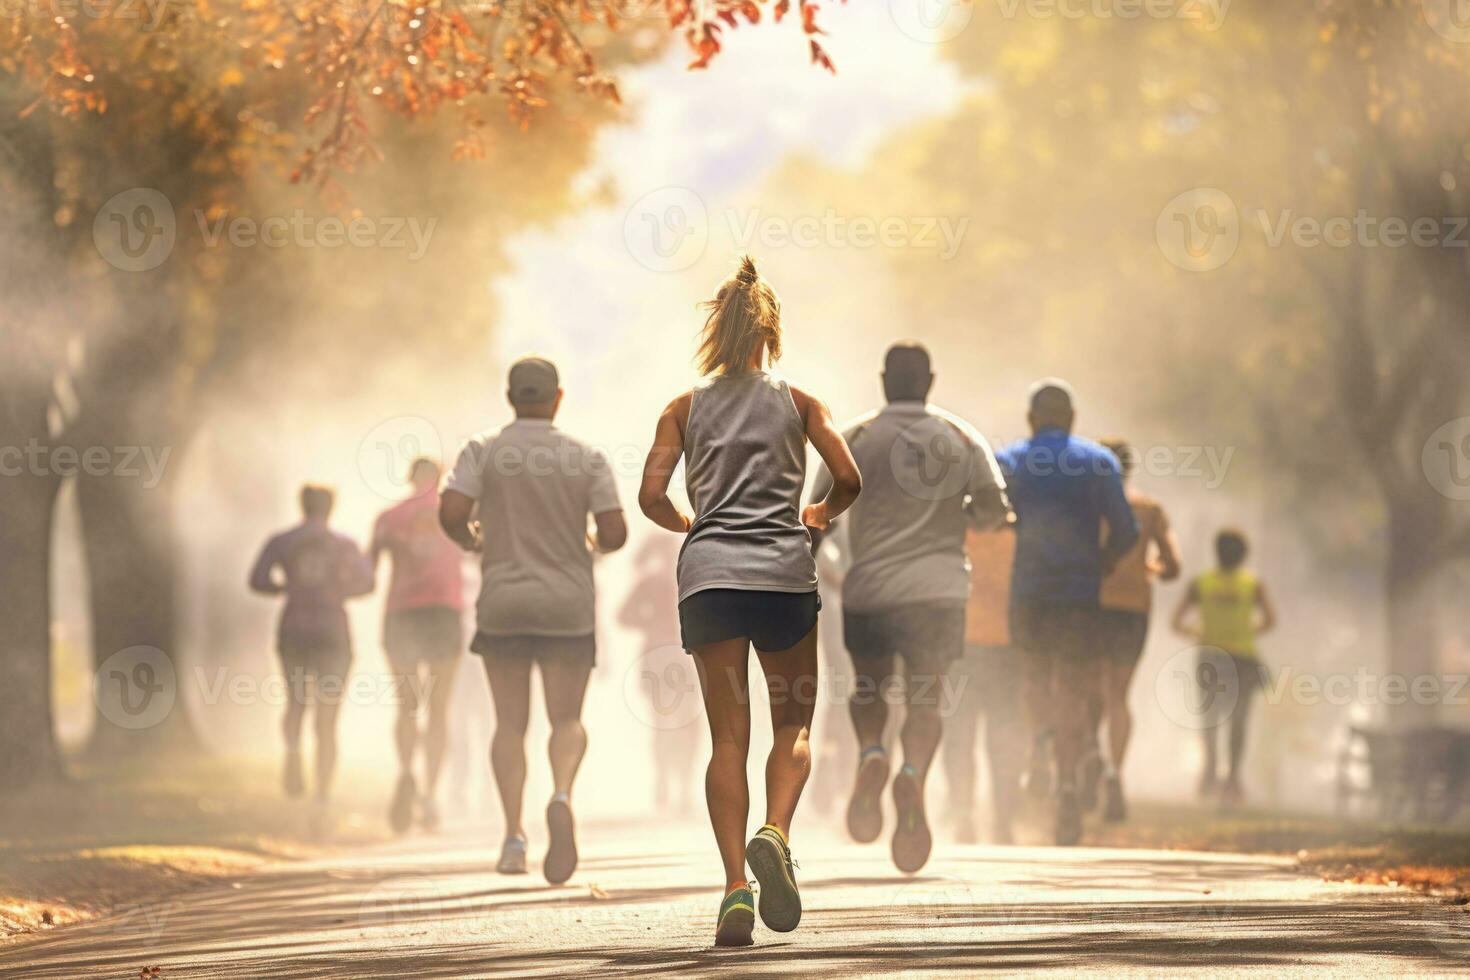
column 747, row 577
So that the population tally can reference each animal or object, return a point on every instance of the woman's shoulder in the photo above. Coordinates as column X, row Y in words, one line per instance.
column 799, row 394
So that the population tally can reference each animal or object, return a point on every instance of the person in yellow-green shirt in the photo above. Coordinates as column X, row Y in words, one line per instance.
column 1231, row 611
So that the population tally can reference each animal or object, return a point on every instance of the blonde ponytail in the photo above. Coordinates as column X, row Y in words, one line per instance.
column 744, row 315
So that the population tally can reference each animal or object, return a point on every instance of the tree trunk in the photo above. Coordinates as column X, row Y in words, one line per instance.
column 128, row 539
column 131, row 414
column 28, row 749
column 1413, row 637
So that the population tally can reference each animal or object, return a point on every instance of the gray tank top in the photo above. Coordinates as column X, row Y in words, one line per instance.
column 744, row 466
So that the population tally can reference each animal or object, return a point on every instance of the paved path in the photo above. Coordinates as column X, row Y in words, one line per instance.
column 435, row 908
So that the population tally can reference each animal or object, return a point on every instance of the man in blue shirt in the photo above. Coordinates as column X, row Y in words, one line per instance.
column 1073, row 523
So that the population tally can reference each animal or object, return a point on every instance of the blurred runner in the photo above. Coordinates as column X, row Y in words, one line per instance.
column 651, row 611
column 422, row 636
column 927, row 475
column 747, row 577
column 834, row 744
column 987, row 681
column 319, row 570
column 1063, row 488
column 535, row 486
column 1127, row 602
column 1227, row 599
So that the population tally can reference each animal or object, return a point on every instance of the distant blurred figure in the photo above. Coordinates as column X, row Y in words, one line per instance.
column 1227, row 598
column 834, row 744
column 987, row 681
column 651, row 612
column 927, row 476
column 1063, row 488
column 534, row 487
column 422, row 636
column 1127, row 601
column 319, row 570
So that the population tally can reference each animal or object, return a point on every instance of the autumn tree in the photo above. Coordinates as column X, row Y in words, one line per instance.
column 209, row 105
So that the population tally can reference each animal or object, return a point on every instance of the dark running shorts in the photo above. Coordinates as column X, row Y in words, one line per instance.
column 920, row 629
column 417, row 635
column 572, row 649
column 1066, row 632
column 326, row 655
column 772, row 621
column 1122, row 634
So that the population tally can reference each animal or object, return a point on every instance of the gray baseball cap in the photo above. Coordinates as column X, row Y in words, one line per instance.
column 532, row 381
column 1052, row 393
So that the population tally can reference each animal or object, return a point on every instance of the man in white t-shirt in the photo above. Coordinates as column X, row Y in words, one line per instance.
column 927, row 477
column 534, row 487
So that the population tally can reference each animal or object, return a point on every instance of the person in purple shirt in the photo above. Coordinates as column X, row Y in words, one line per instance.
column 1073, row 523
column 317, row 570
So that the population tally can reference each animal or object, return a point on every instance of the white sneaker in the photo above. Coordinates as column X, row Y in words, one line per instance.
column 512, row 856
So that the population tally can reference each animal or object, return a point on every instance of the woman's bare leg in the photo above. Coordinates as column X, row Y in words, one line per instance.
column 724, row 678
column 791, row 676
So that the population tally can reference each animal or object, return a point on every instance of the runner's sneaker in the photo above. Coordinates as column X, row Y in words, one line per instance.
column 1231, row 795
column 561, row 855
column 428, row 814
column 865, row 812
column 737, row 919
column 1115, row 808
column 1092, row 771
column 1069, row 817
column 769, row 857
column 292, row 779
column 512, row 856
column 911, row 838
column 400, row 811
column 1038, row 776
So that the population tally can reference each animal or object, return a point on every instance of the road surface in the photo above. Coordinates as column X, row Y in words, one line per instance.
column 643, row 901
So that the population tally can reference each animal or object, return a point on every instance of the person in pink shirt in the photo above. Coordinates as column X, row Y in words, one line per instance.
column 422, row 635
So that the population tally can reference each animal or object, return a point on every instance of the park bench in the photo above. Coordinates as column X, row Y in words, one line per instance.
column 1413, row 775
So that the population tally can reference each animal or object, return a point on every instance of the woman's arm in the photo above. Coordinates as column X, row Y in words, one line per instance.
column 658, row 469
column 847, row 482
column 1169, row 566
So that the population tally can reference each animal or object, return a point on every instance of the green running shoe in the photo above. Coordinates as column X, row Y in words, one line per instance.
column 769, row 857
column 737, row 919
